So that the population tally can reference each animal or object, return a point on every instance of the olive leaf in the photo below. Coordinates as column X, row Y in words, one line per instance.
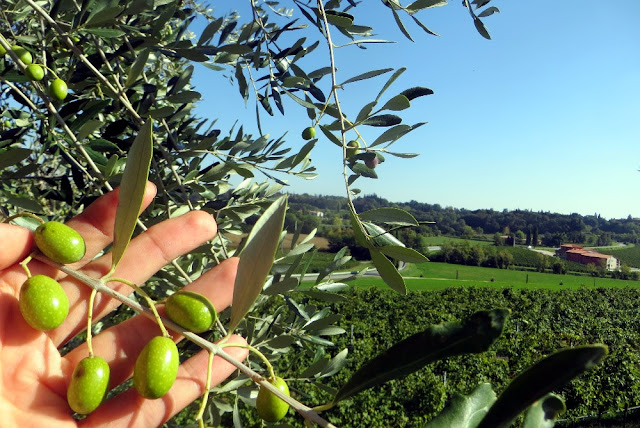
column 382, row 120
column 388, row 215
column 387, row 271
column 137, row 67
column 437, row 342
column 367, row 75
column 465, row 411
column 132, row 188
column 481, row 28
column 13, row 156
column 405, row 254
column 339, row 19
column 415, row 92
column 543, row 413
column 380, row 236
column 256, row 259
column 397, row 103
column 106, row 33
column 537, row 381
column 392, row 79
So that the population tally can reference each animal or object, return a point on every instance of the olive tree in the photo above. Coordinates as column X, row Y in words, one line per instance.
column 97, row 94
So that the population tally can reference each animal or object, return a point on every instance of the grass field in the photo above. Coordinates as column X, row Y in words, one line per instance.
column 438, row 276
column 440, row 240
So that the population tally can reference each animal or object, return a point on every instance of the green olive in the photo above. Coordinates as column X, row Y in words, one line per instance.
column 23, row 54
column 191, row 311
column 59, row 242
column 156, row 367
column 353, row 148
column 58, row 89
column 3, row 51
column 43, row 303
column 34, row 72
column 309, row 133
column 89, row 385
column 271, row 408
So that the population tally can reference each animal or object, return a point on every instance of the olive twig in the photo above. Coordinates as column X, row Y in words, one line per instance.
column 207, row 388
column 92, row 298
column 343, row 128
column 55, row 75
column 24, row 264
column 272, row 374
column 148, row 299
column 24, row 214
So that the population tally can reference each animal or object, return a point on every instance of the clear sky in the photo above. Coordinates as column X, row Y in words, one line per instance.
column 545, row 116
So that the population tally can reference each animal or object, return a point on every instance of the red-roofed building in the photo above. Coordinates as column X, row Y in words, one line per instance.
column 576, row 253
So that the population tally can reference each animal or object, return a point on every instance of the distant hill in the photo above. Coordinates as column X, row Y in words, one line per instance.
column 550, row 229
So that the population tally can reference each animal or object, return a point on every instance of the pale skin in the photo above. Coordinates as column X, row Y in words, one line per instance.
column 34, row 376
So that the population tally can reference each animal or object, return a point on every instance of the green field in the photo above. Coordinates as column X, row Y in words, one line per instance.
column 629, row 255
column 441, row 240
column 438, row 276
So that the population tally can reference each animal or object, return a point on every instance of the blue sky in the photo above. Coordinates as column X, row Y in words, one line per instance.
column 545, row 116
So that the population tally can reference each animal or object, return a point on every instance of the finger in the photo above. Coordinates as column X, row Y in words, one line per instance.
column 16, row 244
column 97, row 221
column 146, row 254
column 121, row 344
column 95, row 224
column 130, row 409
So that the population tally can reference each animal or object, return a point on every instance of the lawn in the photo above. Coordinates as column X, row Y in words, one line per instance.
column 438, row 276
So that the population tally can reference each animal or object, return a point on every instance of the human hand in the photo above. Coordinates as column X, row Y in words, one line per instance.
column 34, row 376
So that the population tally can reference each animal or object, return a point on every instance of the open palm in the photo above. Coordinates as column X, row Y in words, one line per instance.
column 34, row 376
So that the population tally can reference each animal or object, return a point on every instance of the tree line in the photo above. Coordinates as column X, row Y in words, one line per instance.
column 528, row 227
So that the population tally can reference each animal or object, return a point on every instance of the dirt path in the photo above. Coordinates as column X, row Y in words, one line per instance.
column 545, row 252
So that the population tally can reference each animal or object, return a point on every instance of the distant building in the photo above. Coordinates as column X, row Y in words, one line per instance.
column 576, row 253
column 317, row 213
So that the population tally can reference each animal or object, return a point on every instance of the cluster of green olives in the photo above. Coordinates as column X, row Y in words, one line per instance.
column 353, row 148
column 44, row 305
column 58, row 89
column 157, row 364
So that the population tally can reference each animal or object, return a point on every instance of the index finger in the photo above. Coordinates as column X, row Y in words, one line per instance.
column 96, row 222
column 16, row 242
